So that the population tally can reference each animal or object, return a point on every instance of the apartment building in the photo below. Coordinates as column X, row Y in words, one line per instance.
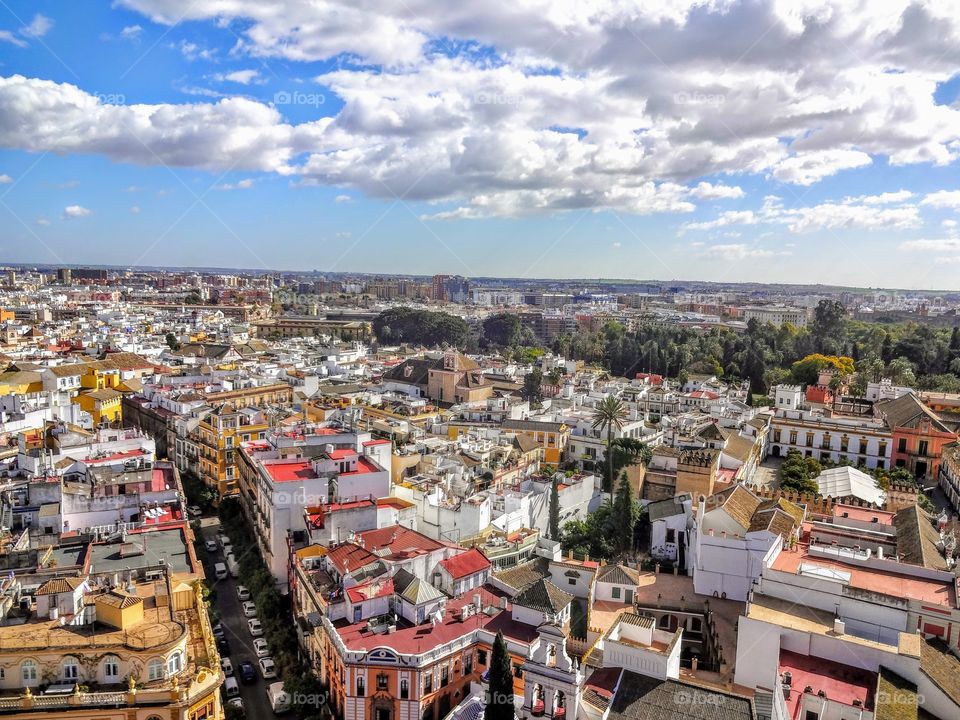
column 218, row 436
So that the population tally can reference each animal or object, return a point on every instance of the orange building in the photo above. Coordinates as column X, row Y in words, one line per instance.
column 919, row 435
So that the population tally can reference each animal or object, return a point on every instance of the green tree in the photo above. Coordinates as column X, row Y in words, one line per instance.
column 798, row 473
column 828, row 318
column 172, row 342
column 502, row 330
column 609, row 416
column 626, row 512
column 532, row 390
column 500, row 702
column 554, row 513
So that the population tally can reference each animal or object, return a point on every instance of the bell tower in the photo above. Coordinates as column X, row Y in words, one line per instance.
column 552, row 681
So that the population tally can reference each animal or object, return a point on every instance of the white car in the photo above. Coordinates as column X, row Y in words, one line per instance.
column 227, row 666
column 256, row 629
column 211, row 546
column 194, row 511
column 267, row 668
column 242, row 593
column 224, row 542
column 260, row 648
column 249, row 609
column 236, row 702
column 231, row 688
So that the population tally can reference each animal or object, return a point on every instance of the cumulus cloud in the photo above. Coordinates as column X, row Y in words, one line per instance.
column 71, row 212
column 38, row 27
column 241, row 77
column 343, row 199
column 134, row 209
column 943, row 199
column 42, row 221
column 132, row 33
column 531, row 125
column 5, row 179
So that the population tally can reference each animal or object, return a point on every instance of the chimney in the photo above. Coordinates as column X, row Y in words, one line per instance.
column 476, row 602
column 839, row 626
column 503, row 603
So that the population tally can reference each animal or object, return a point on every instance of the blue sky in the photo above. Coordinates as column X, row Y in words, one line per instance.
column 491, row 139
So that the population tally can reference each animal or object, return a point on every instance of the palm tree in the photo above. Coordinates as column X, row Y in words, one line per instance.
column 609, row 415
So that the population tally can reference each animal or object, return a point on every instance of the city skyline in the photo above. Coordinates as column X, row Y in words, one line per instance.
column 674, row 141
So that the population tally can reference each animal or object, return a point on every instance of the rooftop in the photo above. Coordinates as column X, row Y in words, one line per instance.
column 841, row 683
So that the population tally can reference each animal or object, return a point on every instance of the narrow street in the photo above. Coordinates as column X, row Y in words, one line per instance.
column 255, row 701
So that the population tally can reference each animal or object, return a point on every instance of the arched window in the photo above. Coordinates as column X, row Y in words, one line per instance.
column 155, row 669
column 71, row 669
column 111, row 669
column 28, row 672
column 175, row 663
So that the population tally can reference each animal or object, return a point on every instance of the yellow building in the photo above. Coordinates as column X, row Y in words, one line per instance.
column 103, row 405
column 551, row 436
column 152, row 657
column 218, row 437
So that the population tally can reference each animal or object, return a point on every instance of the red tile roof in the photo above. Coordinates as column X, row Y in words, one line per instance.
column 398, row 541
column 371, row 589
column 349, row 557
column 464, row 564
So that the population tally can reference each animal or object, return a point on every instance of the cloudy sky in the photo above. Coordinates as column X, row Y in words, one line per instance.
column 786, row 140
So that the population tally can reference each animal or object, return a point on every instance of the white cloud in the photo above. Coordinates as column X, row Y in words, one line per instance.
column 616, row 244
column 735, row 251
column 476, row 135
column 8, row 37
column 343, row 199
column 5, row 179
column 943, row 199
column 887, row 198
column 730, row 217
column 244, row 184
column 706, row 191
column 809, row 168
column 38, row 27
column 134, row 209
column 938, row 245
column 42, row 221
column 241, row 77
column 949, row 224
column 71, row 212
column 191, row 51
column 132, row 33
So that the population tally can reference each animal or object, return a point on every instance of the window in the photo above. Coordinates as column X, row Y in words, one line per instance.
column 615, row 593
column 881, row 464
column 793, row 437
column 571, row 581
column 671, row 535
column 844, row 443
column 71, row 668
column 696, row 624
column 404, row 689
column 468, row 663
column 382, row 680
column 825, row 445
column 922, row 448
column 882, row 450
column 482, row 657
column 863, row 446
column 517, row 671
column 428, row 682
column 155, row 669
column 361, row 689
column 444, row 676
column 809, row 439
column 28, row 672
column 902, row 445
column 175, row 663
column 111, row 669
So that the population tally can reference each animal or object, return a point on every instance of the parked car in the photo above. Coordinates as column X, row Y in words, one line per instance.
column 227, row 666
column 223, row 645
column 211, row 546
column 249, row 609
column 267, row 668
column 242, row 593
column 224, row 542
column 260, row 647
column 256, row 629
column 247, row 672
column 218, row 629
column 236, row 702
column 220, row 571
column 230, row 687
column 194, row 511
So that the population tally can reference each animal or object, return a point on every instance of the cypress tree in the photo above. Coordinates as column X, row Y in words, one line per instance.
column 500, row 702
column 554, row 520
